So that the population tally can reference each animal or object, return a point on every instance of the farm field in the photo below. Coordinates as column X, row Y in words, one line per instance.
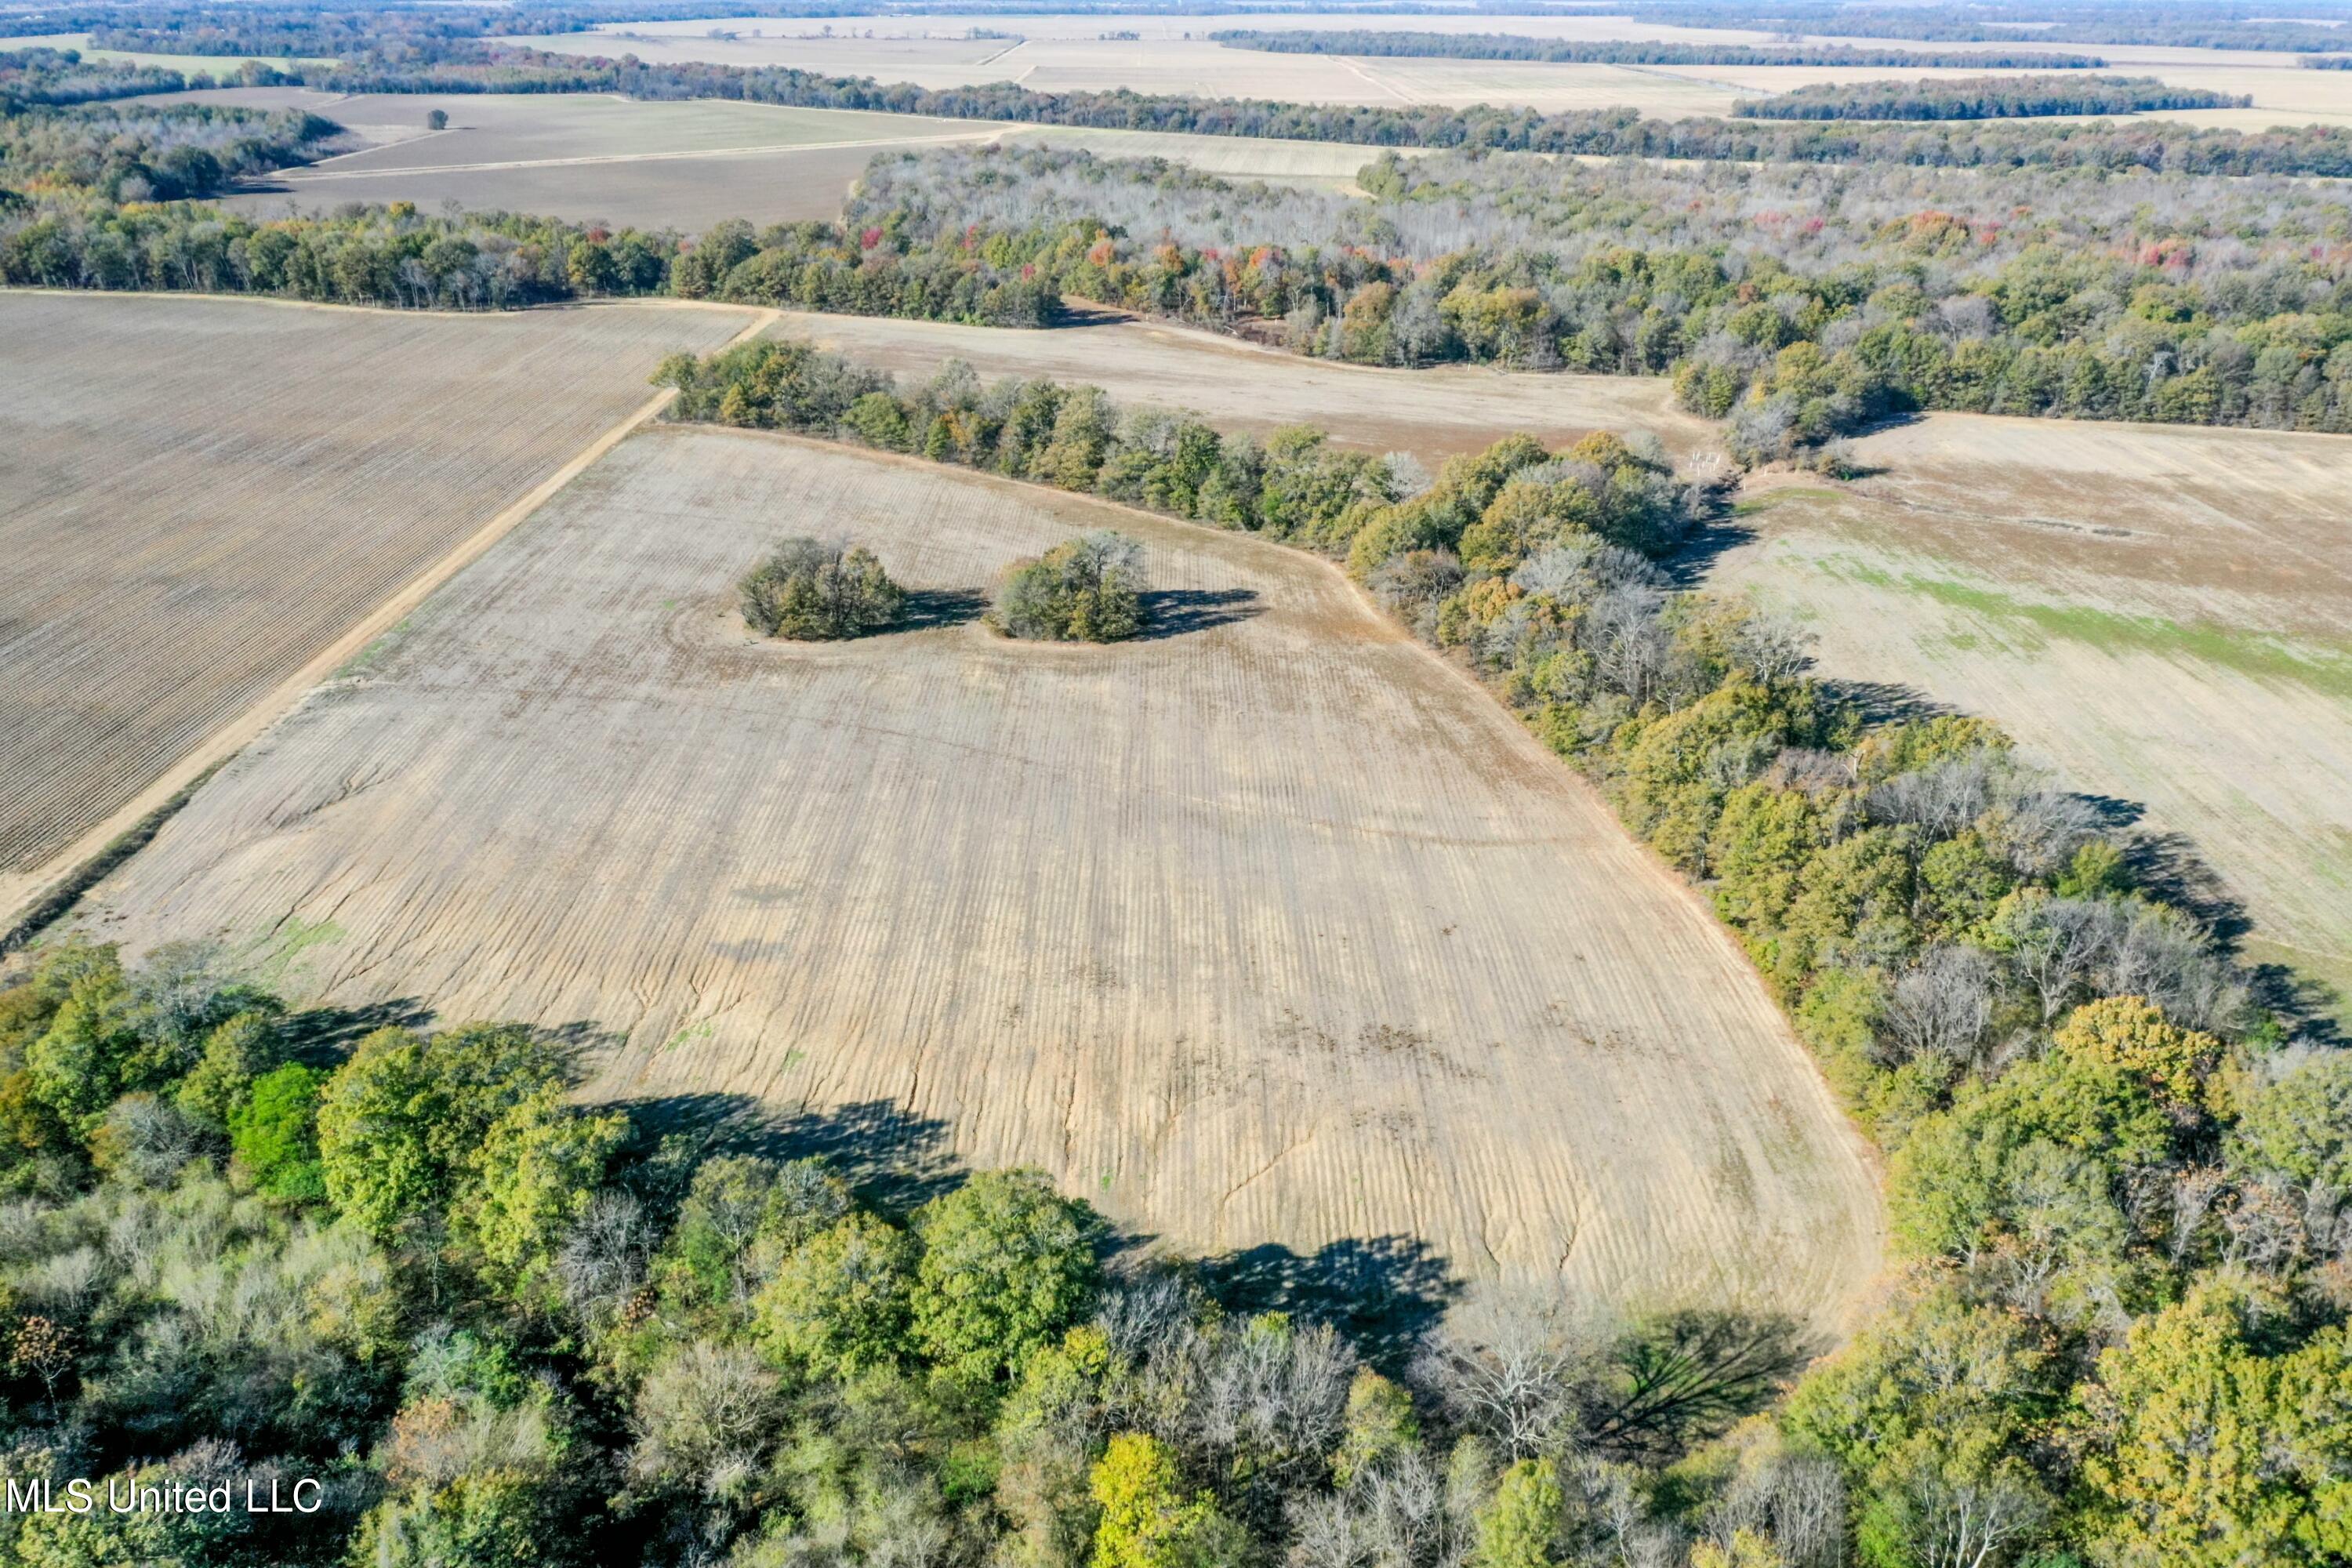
column 675, row 165
column 1270, row 928
column 2160, row 611
column 205, row 495
column 1173, row 54
column 1432, row 414
column 589, row 156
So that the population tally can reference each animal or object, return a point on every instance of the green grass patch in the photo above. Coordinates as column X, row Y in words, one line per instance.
column 2324, row 670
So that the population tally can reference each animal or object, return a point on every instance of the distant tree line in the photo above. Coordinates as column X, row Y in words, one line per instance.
column 1427, row 45
column 47, row 77
column 144, row 153
column 1982, row 98
column 2214, row 25
column 2122, row 1195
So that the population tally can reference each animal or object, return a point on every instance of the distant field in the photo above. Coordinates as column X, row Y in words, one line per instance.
column 682, row 166
column 1432, row 414
column 590, row 156
column 2162, row 611
column 199, row 497
column 1273, row 928
column 1173, row 54
column 212, row 66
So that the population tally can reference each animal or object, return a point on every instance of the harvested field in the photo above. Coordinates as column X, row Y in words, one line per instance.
column 1270, row 928
column 1432, row 414
column 206, row 494
column 591, row 157
column 2159, row 611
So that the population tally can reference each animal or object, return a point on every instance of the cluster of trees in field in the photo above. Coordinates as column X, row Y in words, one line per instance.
column 1088, row 589
column 2212, row 25
column 1632, row 52
column 47, row 77
column 1983, row 97
column 2123, row 1195
column 810, row 591
column 147, row 153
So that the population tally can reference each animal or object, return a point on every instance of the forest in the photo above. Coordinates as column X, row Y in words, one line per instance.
column 1632, row 52
column 1982, row 98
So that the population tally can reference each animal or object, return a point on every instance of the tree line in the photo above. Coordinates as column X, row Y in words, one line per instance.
column 2214, row 25
column 47, row 77
column 1630, row 51
column 1982, row 98
column 2121, row 1190
column 85, row 159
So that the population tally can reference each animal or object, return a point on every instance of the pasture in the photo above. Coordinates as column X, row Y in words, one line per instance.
column 198, row 498
column 2159, row 611
column 1433, row 413
column 1270, row 928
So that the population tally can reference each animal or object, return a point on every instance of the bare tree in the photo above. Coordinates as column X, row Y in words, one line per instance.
column 1942, row 1004
column 1517, row 1371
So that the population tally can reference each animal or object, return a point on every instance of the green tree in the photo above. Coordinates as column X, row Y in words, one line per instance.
column 399, row 1122
column 840, row 1304
column 1007, row 1264
column 1379, row 1422
column 528, row 1181
column 1148, row 1520
column 275, row 1133
column 1520, row 1527
column 2205, row 1452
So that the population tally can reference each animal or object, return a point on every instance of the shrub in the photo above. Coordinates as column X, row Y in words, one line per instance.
column 1086, row 589
column 811, row 592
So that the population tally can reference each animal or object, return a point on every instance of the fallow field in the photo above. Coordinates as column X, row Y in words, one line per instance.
column 198, row 498
column 1268, row 929
column 1432, row 414
column 2160, row 611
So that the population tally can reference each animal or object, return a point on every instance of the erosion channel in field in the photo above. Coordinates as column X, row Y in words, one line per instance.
column 1269, row 930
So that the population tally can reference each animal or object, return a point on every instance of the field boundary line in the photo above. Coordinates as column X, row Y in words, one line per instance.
column 35, row 892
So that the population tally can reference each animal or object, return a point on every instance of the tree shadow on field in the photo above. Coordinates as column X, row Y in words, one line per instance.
column 322, row 1037
column 892, row 1157
column 930, row 608
column 1385, row 1293
column 1694, row 559
column 1175, row 612
column 1887, row 701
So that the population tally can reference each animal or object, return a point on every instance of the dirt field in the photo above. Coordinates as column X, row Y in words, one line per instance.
column 203, row 495
column 1173, row 54
column 1268, row 929
column 1432, row 414
column 2160, row 611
